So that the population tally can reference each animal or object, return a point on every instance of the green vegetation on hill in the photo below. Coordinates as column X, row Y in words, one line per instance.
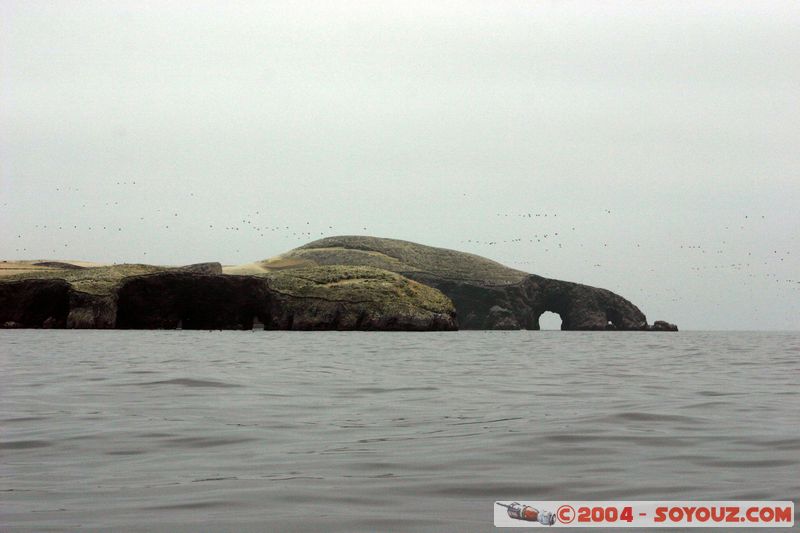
column 397, row 256
column 98, row 280
column 391, row 292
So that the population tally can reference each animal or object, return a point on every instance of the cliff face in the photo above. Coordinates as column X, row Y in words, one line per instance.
column 169, row 300
column 486, row 294
column 34, row 303
column 200, row 297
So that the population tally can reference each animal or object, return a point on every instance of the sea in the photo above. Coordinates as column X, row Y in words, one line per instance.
column 367, row 431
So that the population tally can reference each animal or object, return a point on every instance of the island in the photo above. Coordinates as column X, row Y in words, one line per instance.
column 335, row 283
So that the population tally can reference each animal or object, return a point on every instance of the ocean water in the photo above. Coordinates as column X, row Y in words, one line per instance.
column 350, row 431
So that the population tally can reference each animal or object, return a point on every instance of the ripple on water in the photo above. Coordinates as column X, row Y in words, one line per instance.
column 23, row 419
column 193, row 505
column 639, row 416
column 747, row 463
column 186, row 382
column 24, row 444
column 205, row 442
column 380, row 390
column 714, row 393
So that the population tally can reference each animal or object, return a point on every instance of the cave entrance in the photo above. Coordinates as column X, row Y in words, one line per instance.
column 550, row 321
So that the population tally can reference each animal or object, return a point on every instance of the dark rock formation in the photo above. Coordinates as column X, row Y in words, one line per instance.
column 486, row 294
column 660, row 325
column 519, row 305
column 92, row 311
column 580, row 307
column 168, row 300
column 34, row 303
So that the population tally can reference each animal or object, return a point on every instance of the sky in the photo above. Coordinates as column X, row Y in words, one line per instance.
column 650, row 148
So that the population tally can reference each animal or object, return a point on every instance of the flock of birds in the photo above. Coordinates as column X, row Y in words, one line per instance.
column 167, row 221
column 542, row 236
column 741, row 258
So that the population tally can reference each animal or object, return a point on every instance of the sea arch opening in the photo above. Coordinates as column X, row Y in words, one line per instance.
column 550, row 320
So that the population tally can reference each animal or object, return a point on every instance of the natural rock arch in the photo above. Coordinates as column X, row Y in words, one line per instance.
column 549, row 320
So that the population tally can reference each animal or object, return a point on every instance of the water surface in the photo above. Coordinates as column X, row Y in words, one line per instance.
column 349, row 431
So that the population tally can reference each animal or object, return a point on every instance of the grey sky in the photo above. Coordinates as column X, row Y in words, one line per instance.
column 659, row 139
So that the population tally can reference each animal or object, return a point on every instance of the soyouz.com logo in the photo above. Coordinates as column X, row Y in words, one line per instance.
column 619, row 514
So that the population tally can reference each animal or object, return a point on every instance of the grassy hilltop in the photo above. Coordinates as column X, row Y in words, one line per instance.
column 403, row 257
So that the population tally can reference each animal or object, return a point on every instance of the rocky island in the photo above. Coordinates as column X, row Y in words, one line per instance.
column 341, row 283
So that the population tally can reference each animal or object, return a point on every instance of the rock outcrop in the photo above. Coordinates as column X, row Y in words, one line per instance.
column 581, row 307
column 486, row 294
column 34, row 303
column 189, row 300
column 660, row 325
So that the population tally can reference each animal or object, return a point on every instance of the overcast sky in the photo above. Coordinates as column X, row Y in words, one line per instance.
column 651, row 148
